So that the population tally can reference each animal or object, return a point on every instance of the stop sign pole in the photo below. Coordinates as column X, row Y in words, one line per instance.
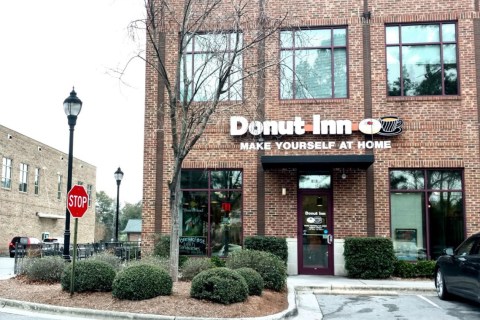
column 77, row 204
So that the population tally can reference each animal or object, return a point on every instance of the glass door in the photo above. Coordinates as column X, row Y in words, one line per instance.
column 315, row 234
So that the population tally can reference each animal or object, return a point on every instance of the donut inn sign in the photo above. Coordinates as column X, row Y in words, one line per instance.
column 383, row 126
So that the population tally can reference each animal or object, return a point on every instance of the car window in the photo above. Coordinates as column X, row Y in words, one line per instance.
column 23, row 240
column 476, row 248
column 466, row 247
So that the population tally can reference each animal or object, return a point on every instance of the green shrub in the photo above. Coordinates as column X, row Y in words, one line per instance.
column 404, row 269
column 194, row 266
column 48, row 269
column 425, row 269
column 162, row 249
column 420, row 269
column 277, row 246
column 142, row 281
column 109, row 258
column 369, row 258
column 254, row 280
column 217, row 261
column 221, row 285
column 90, row 275
column 272, row 269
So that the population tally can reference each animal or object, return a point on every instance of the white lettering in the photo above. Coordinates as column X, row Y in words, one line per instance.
column 238, row 126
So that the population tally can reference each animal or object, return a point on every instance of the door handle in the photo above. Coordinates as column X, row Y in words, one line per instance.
column 330, row 239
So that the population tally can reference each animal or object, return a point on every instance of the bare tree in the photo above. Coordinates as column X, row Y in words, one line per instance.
column 214, row 40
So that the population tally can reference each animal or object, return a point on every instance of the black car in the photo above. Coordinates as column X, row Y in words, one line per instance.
column 458, row 272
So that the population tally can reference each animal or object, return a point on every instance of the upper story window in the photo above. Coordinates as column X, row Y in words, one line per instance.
column 23, row 178
column 6, row 173
column 37, row 181
column 207, row 60
column 422, row 59
column 59, row 186
column 89, row 192
column 314, row 64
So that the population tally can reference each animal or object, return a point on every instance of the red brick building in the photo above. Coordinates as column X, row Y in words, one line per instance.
column 369, row 128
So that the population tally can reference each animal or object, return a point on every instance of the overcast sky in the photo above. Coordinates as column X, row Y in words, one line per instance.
column 48, row 47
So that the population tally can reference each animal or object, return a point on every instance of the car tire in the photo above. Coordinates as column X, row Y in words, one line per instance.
column 12, row 255
column 441, row 286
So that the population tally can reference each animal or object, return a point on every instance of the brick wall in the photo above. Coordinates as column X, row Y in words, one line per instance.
column 439, row 132
column 18, row 210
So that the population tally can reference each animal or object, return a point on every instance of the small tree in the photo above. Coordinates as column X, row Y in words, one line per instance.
column 104, row 213
column 229, row 33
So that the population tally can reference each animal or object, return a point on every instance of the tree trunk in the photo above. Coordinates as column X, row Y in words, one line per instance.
column 175, row 206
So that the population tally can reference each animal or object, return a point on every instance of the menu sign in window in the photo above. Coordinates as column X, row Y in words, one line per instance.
column 195, row 246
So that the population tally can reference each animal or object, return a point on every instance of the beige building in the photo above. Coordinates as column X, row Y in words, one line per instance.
column 33, row 187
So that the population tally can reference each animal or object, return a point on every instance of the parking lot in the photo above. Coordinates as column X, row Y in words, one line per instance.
column 400, row 307
column 6, row 267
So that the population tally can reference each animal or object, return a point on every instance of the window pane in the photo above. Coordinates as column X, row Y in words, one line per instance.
column 313, row 69
column 408, row 226
column 444, row 180
column 420, row 33
column 314, row 181
column 313, row 38
column 194, row 220
column 393, row 71
column 448, row 32
column 406, row 180
column 226, row 179
column 286, row 75
column 392, row 35
column 340, row 73
column 194, row 179
column 339, row 37
column 422, row 69
column 450, row 68
column 286, row 39
column 226, row 222
column 446, row 221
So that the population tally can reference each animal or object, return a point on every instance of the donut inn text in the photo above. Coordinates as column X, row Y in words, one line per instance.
column 388, row 126
column 385, row 126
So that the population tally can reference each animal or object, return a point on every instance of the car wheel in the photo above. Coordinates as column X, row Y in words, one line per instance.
column 12, row 255
column 442, row 291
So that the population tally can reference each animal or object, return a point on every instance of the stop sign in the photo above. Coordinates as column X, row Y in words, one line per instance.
column 77, row 201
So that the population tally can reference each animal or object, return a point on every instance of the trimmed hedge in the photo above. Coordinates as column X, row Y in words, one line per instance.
column 369, row 258
column 277, row 246
column 254, row 280
column 142, row 281
column 272, row 269
column 221, row 285
column 90, row 275
column 420, row 269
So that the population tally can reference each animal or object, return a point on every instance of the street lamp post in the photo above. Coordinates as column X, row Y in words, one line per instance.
column 118, row 176
column 72, row 107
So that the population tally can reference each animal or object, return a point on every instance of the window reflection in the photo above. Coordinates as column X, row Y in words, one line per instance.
column 312, row 181
column 314, row 64
column 211, row 218
column 418, row 213
column 429, row 60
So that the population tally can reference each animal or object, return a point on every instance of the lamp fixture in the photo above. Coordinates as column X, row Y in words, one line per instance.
column 319, row 201
column 344, row 175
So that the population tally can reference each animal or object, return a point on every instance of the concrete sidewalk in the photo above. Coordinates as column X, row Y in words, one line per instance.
column 301, row 298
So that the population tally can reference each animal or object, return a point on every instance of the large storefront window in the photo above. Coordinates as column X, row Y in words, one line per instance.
column 427, row 212
column 211, row 214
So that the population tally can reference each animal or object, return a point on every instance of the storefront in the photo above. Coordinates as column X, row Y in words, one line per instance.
column 367, row 128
